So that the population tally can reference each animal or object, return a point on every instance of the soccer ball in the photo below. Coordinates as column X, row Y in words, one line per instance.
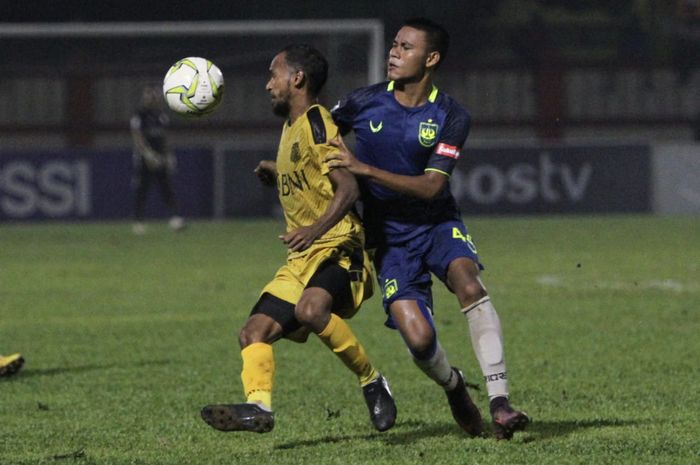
column 193, row 86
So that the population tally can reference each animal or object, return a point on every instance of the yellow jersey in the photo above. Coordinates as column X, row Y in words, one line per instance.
column 304, row 189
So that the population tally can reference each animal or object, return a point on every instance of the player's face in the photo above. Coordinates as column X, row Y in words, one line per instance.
column 408, row 55
column 279, row 85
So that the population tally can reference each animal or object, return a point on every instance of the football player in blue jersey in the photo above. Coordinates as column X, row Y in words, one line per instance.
column 408, row 138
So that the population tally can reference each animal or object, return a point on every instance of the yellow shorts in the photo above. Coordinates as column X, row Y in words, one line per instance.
column 291, row 279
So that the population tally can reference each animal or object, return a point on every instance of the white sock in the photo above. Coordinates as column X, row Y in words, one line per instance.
column 438, row 369
column 487, row 341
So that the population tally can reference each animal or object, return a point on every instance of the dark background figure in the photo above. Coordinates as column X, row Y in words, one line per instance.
column 153, row 159
column 686, row 48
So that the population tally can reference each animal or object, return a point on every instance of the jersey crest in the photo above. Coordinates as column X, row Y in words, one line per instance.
column 295, row 156
column 427, row 133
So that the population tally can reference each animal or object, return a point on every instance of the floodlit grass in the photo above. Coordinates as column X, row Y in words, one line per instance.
column 127, row 337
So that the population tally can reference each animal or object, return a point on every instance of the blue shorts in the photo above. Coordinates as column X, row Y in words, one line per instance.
column 404, row 270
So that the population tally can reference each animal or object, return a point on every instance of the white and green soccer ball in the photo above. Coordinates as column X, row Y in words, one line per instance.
column 193, row 86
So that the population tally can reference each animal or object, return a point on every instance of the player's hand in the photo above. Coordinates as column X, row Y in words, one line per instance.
column 344, row 158
column 266, row 171
column 153, row 159
column 300, row 238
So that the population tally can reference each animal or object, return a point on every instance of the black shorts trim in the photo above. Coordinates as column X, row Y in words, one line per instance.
column 279, row 310
column 336, row 281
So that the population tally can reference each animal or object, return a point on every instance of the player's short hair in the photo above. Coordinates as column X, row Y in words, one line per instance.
column 306, row 58
column 437, row 36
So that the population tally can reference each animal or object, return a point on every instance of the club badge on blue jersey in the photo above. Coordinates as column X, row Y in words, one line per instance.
column 427, row 133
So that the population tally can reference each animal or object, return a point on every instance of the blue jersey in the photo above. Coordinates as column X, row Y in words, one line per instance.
column 407, row 141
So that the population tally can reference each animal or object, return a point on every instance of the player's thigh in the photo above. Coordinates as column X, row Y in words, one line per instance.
column 272, row 318
column 402, row 275
column 454, row 260
column 259, row 327
column 286, row 285
column 414, row 321
column 329, row 290
column 450, row 241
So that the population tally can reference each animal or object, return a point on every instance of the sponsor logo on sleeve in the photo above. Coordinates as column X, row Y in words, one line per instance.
column 447, row 150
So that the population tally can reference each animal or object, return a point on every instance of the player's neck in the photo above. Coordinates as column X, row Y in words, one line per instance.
column 413, row 94
column 299, row 106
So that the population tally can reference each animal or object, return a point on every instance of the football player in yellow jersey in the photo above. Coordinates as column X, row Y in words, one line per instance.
column 327, row 275
column 9, row 365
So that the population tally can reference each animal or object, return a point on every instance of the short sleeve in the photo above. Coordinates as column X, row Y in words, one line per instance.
column 447, row 150
column 325, row 149
column 346, row 110
column 343, row 114
column 323, row 129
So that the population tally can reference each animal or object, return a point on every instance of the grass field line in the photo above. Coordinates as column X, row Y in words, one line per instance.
column 670, row 285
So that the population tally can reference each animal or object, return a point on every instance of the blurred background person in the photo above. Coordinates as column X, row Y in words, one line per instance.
column 153, row 159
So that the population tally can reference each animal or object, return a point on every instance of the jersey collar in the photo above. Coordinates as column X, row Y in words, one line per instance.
column 431, row 97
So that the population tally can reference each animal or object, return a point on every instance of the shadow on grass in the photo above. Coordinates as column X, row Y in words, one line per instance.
column 397, row 436
column 408, row 432
column 539, row 430
column 30, row 373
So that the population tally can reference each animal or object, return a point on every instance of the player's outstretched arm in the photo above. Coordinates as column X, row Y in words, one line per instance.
column 346, row 193
column 425, row 186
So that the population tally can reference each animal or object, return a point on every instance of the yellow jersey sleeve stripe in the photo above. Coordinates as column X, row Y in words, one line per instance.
column 318, row 126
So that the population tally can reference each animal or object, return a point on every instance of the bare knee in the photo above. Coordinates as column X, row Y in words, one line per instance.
column 415, row 329
column 470, row 292
column 248, row 336
column 419, row 339
column 314, row 309
column 463, row 279
column 259, row 328
column 307, row 312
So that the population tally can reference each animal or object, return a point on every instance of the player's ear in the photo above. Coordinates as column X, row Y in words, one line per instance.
column 299, row 78
column 432, row 59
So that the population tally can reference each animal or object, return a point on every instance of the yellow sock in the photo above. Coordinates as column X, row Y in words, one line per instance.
column 338, row 336
column 258, row 372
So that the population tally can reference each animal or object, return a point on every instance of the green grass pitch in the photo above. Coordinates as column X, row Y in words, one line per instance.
column 127, row 337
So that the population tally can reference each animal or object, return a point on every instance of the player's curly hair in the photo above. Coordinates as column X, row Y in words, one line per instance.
column 306, row 58
column 437, row 36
